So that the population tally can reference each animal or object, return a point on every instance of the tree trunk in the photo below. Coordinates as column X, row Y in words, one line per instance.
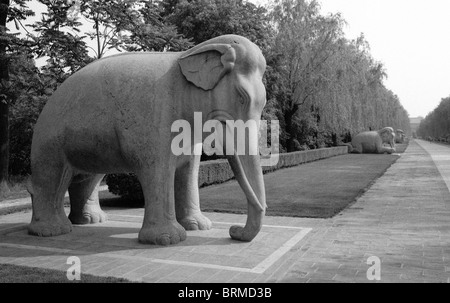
column 4, row 141
column 334, row 138
column 289, row 126
column 290, row 146
column 4, row 106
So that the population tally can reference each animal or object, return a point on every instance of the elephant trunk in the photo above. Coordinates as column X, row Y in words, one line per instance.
column 248, row 172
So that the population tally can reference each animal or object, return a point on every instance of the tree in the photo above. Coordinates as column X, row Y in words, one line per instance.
column 305, row 41
column 436, row 124
column 153, row 33
column 201, row 20
column 110, row 18
column 4, row 110
column 31, row 89
column 9, row 11
column 57, row 38
column 132, row 25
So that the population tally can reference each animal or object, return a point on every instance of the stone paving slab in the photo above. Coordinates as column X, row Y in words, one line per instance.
column 403, row 220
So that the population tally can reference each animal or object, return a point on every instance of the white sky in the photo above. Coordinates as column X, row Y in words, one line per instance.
column 410, row 37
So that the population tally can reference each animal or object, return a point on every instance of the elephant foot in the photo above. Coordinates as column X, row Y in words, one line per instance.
column 54, row 226
column 388, row 150
column 91, row 214
column 170, row 233
column 196, row 221
column 242, row 234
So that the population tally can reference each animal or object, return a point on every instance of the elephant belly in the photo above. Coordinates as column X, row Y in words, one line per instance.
column 93, row 153
column 369, row 147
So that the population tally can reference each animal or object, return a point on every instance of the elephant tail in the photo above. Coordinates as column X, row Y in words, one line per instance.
column 349, row 145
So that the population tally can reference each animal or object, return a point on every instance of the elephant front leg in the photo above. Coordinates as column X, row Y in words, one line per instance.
column 357, row 148
column 160, row 225
column 386, row 150
column 187, row 203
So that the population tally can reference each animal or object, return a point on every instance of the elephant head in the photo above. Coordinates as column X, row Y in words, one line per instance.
column 399, row 136
column 230, row 69
column 387, row 135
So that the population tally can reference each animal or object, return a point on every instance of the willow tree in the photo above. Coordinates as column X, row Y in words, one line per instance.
column 305, row 41
column 437, row 123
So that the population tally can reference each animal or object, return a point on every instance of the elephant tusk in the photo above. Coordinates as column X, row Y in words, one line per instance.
column 242, row 179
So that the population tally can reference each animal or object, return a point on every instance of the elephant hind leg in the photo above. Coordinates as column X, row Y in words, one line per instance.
column 84, row 202
column 47, row 186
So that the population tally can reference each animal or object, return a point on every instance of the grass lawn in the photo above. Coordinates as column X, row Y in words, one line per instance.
column 315, row 190
column 14, row 194
column 16, row 190
column 23, row 274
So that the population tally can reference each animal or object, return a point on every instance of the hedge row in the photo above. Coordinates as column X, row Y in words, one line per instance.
column 219, row 171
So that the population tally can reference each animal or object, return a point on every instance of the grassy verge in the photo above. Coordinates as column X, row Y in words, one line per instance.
column 22, row 274
column 14, row 189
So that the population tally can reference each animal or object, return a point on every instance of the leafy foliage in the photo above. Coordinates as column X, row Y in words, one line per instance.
column 436, row 125
column 9, row 11
column 152, row 33
column 125, row 185
column 31, row 91
column 202, row 20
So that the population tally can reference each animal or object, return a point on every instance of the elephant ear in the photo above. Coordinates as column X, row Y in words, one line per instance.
column 385, row 132
column 205, row 66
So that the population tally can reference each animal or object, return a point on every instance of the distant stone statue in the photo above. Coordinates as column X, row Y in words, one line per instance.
column 399, row 136
column 115, row 116
column 371, row 142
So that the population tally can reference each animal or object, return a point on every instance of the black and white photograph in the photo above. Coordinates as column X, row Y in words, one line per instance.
column 221, row 148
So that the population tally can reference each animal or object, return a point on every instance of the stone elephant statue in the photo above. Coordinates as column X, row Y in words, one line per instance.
column 371, row 142
column 115, row 116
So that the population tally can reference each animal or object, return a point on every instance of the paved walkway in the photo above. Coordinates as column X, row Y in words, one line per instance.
column 403, row 221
